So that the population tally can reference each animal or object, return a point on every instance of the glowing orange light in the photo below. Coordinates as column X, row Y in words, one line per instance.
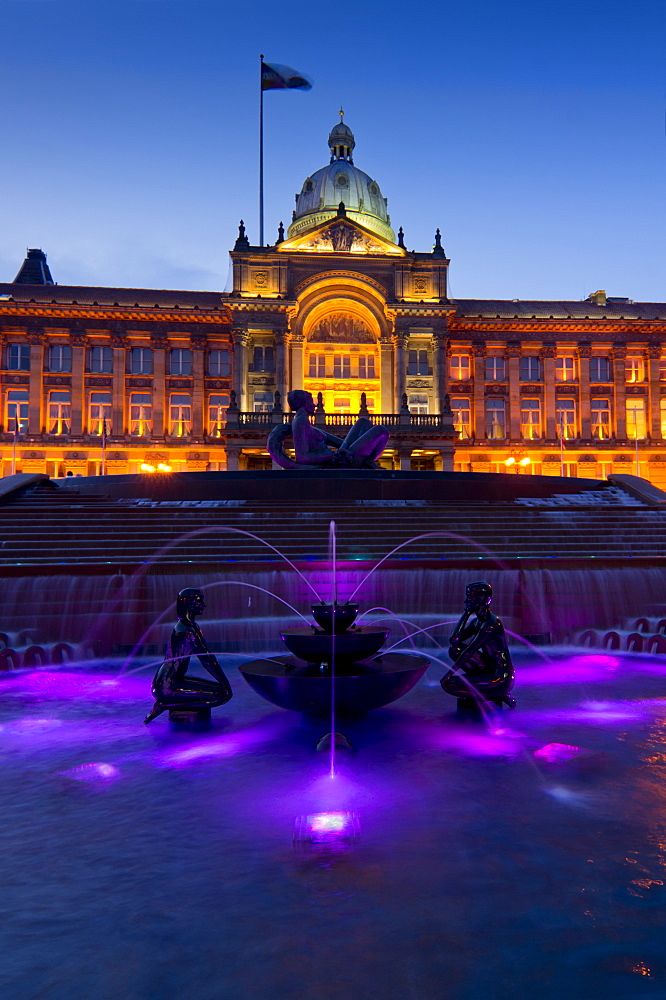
column 525, row 461
column 164, row 468
column 510, row 461
column 147, row 468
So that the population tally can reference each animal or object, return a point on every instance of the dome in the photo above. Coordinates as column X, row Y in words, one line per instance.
column 341, row 181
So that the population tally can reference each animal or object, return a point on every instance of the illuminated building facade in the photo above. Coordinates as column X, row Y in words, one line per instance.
column 339, row 306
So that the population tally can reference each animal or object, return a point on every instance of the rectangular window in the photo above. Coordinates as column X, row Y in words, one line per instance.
column 263, row 402
column 600, row 418
column 18, row 357
column 101, row 360
column 565, row 368
column 141, row 414
column 530, row 369
column 141, row 361
column 495, row 369
column 180, row 414
column 530, row 419
column 495, row 419
column 634, row 368
column 60, row 412
column 317, row 366
column 217, row 413
column 60, row 358
column 565, row 418
column 341, row 404
column 636, row 424
column 180, row 361
column 366, row 366
column 262, row 358
column 460, row 367
column 417, row 403
column 17, row 411
column 219, row 363
column 462, row 416
column 342, row 366
column 600, row 370
column 417, row 363
column 100, row 412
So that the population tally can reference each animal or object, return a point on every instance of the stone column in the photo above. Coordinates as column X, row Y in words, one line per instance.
column 240, row 339
column 78, row 342
column 440, row 343
column 160, row 346
column 296, row 352
column 479, row 355
column 198, row 348
column 232, row 458
column 513, row 355
column 654, row 389
column 36, row 415
column 119, row 418
column 548, row 359
column 281, row 365
column 400, row 339
column 404, row 459
column 584, row 355
column 619, row 355
column 388, row 403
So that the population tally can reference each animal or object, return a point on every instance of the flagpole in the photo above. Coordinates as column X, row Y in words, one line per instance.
column 14, row 448
column 261, row 154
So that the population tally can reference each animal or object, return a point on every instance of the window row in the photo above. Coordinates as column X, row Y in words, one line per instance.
column 566, row 418
column 566, row 368
column 99, row 360
column 341, row 366
column 59, row 413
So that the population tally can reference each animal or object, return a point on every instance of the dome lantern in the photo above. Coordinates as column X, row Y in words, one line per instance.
column 341, row 141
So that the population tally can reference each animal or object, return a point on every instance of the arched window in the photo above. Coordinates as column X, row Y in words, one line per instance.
column 60, row 411
column 17, row 411
column 180, row 414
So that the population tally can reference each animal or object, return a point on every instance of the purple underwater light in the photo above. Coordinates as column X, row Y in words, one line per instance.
column 333, row 830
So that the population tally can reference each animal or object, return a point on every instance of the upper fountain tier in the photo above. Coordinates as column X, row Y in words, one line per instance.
column 341, row 181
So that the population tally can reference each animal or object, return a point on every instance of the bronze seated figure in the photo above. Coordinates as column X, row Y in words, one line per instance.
column 483, row 669
column 173, row 689
column 316, row 448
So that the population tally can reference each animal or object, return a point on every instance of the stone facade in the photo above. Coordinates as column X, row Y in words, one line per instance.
column 195, row 380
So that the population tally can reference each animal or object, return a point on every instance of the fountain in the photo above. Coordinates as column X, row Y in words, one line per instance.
column 334, row 654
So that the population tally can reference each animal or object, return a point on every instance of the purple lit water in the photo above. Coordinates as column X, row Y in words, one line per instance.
column 147, row 864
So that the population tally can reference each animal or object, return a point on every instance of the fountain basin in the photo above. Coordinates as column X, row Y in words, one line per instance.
column 357, row 688
column 321, row 647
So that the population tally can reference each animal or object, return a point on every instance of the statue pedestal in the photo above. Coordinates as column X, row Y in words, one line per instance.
column 192, row 718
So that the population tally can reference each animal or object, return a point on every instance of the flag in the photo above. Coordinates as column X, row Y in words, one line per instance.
column 275, row 77
column 104, row 435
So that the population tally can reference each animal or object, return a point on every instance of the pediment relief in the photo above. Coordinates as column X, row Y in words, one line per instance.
column 342, row 236
column 340, row 328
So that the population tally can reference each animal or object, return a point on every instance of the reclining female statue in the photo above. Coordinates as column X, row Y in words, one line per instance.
column 483, row 668
column 172, row 688
column 316, row 447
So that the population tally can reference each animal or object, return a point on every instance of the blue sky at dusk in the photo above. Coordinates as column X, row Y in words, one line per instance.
column 531, row 134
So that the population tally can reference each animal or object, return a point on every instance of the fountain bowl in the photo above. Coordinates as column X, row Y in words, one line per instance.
column 334, row 617
column 357, row 688
column 322, row 647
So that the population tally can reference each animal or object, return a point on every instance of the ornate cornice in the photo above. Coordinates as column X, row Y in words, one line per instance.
column 575, row 327
column 140, row 315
